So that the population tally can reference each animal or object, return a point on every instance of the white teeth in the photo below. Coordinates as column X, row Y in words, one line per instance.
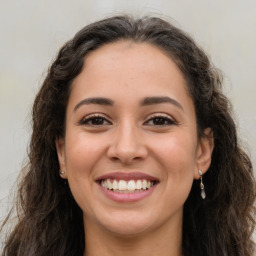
column 131, row 185
column 115, row 184
column 138, row 184
column 109, row 184
column 123, row 186
column 104, row 183
column 144, row 184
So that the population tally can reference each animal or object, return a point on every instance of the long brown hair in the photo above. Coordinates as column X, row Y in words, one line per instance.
column 49, row 220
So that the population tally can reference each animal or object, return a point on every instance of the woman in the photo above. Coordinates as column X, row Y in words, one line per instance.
column 134, row 151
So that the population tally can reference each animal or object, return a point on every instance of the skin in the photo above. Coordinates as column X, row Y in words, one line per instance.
column 126, row 137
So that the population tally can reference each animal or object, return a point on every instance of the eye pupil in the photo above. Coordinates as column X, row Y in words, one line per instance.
column 97, row 121
column 159, row 121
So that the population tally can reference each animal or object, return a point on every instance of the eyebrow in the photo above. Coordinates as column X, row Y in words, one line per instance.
column 145, row 102
column 160, row 100
column 97, row 100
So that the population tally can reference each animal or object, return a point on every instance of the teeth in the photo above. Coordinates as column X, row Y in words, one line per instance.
column 109, row 184
column 104, row 184
column 138, row 184
column 131, row 185
column 115, row 184
column 144, row 184
column 123, row 186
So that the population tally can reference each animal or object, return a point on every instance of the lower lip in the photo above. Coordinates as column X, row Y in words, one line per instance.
column 127, row 197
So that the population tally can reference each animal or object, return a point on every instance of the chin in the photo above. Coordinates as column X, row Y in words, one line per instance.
column 127, row 224
column 127, row 230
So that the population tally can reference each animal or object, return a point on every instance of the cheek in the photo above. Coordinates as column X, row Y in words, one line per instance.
column 177, row 157
column 177, row 150
column 82, row 153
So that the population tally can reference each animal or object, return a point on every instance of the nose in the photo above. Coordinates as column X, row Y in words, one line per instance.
column 127, row 145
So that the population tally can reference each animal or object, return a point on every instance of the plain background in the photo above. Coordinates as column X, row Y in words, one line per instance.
column 31, row 32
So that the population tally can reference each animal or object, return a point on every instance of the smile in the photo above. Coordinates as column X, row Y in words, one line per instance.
column 124, row 187
column 127, row 186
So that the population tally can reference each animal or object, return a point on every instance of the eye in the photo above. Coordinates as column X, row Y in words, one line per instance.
column 95, row 120
column 160, row 120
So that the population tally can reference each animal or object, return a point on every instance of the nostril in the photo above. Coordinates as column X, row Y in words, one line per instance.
column 126, row 160
column 115, row 158
column 137, row 158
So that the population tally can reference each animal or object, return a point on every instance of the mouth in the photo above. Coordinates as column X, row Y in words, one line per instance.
column 127, row 187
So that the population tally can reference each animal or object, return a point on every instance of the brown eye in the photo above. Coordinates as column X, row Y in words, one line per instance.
column 160, row 121
column 95, row 121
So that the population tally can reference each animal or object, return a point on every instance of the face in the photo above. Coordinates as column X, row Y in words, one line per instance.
column 131, row 152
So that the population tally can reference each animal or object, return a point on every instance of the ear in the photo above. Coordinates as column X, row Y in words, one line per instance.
column 204, row 152
column 60, row 147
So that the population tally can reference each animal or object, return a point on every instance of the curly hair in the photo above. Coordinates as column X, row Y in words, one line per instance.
column 50, row 221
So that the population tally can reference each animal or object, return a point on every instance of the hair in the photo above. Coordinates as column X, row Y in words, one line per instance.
column 50, row 221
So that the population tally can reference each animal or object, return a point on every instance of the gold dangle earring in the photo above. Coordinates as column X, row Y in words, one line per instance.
column 203, row 194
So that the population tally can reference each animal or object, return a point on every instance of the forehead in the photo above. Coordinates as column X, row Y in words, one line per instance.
column 127, row 63
column 131, row 54
column 119, row 49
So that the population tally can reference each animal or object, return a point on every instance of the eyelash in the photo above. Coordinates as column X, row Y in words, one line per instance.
column 163, row 119
column 166, row 120
column 94, row 117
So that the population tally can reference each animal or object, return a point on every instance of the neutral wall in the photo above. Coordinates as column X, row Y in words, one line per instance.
column 32, row 31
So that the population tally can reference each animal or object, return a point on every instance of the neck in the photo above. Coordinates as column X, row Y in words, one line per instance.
column 163, row 241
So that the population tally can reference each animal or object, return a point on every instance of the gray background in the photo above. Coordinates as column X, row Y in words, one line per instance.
column 32, row 31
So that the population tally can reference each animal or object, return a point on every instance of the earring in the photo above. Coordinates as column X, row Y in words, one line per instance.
column 203, row 194
column 62, row 172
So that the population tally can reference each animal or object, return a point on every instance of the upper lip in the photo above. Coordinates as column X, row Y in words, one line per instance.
column 127, row 176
